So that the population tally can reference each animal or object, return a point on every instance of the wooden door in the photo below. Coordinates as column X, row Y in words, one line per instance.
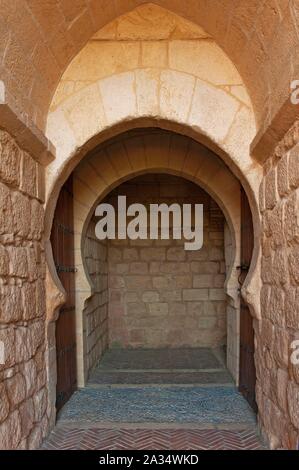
column 247, row 376
column 62, row 239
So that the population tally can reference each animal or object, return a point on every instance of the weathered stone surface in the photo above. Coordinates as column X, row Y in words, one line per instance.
column 10, row 160
column 4, row 403
column 10, row 304
column 10, row 431
column 6, row 222
column 28, row 175
column 16, row 389
column 293, row 403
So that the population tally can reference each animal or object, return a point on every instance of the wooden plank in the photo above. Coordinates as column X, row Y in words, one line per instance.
column 247, row 378
column 62, row 239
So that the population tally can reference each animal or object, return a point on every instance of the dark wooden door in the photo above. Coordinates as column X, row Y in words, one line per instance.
column 62, row 239
column 247, row 378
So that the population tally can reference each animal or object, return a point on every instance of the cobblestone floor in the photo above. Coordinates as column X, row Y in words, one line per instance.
column 165, row 399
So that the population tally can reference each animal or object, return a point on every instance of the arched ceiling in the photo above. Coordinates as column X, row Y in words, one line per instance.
column 39, row 38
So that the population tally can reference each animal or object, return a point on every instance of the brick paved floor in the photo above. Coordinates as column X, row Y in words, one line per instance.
column 68, row 438
column 172, row 400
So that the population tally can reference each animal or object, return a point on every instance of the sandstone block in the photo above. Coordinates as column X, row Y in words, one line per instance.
column 152, row 254
column 282, row 176
column 158, row 308
column 271, row 189
column 16, row 389
column 10, row 431
column 135, row 282
column 177, row 308
column 205, row 267
column 136, row 309
column 139, row 268
column 294, row 265
column 164, row 282
column 130, row 254
column 37, row 220
column 10, row 160
column 4, row 261
column 207, row 323
column 28, row 175
column 217, row 294
column 4, row 403
column 21, row 214
column 176, row 254
column 294, row 167
column 293, row 403
column 6, row 221
column 195, row 308
column 27, row 417
column 10, row 304
column 18, row 262
column 150, row 296
column 203, row 280
column 195, row 294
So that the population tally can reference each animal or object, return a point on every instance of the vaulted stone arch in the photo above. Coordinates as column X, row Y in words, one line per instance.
column 148, row 152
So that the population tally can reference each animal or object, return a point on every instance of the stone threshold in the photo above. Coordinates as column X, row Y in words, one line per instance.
column 153, row 425
column 152, row 385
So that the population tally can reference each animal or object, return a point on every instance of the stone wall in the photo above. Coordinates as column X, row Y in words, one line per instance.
column 96, row 307
column 160, row 294
column 277, row 377
column 23, row 378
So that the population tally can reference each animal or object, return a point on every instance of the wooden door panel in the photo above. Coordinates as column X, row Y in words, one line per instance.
column 62, row 239
column 247, row 376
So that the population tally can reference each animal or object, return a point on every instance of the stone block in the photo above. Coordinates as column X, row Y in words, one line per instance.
column 292, row 307
column 4, row 261
column 207, row 323
column 152, row 254
column 217, row 294
column 271, row 195
column 139, row 268
column 195, row 294
column 164, row 282
column 6, row 221
column 37, row 220
column 28, row 175
column 291, row 218
column 10, row 431
column 150, row 296
column 10, row 160
column 293, row 172
column 203, row 280
column 293, row 403
column 29, row 301
column 195, row 308
column 136, row 309
column 294, row 265
column 282, row 176
column 21, row 214
column 18, row 266
column 205, row 267
column 10, row 304
column 177, row 308
column 16, row 389
column 4, row 403
column 27, row 417
column 158, row 308
column 176, row 254
column 130, row 254
column 135, row 282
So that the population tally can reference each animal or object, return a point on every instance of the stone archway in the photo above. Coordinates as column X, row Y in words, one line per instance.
column 173, row 96
column 136, row 153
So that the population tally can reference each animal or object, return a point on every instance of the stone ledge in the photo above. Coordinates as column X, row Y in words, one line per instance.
column 269, row 136
column 19, row 126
